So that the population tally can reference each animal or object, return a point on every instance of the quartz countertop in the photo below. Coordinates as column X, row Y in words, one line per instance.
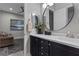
column 73, row 42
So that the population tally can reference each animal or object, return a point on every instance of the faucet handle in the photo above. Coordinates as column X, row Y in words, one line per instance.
column 69, row 34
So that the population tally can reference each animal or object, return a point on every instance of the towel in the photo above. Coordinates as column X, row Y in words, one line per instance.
column 29, row 25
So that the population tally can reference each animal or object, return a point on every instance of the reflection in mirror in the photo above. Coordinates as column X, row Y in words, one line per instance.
column 34, row 20
column 58, row 16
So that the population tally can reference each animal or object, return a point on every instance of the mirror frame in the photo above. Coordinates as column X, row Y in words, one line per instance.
column 68, row 17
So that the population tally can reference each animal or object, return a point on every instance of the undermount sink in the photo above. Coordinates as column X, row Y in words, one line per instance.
column 59, row 34
column 65, row 35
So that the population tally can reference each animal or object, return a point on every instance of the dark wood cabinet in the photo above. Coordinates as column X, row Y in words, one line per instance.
column 58, row 50
column 34, row 44
column 42, row 47
column 38, row 46
column 64, row 50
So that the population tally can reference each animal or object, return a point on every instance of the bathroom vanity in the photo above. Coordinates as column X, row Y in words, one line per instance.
column 55, row 18
column 49, row 45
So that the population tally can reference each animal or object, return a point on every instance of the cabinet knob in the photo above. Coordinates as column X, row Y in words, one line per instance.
column 42, row 41
column 42, row 53
column 49, row 44
column 42, row 47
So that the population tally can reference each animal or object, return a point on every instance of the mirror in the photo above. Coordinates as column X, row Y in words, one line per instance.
column 58, row 16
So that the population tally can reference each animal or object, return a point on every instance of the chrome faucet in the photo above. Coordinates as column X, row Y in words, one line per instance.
column 69, row 34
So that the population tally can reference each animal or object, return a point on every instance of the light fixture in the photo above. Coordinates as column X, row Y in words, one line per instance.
column 33, row 14
column 11, row 9
column 44, row 5
column 47, row 4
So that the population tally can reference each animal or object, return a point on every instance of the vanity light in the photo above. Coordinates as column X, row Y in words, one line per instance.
column 11, row 9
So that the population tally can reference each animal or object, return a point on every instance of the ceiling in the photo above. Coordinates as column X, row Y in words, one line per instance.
column 14, row 6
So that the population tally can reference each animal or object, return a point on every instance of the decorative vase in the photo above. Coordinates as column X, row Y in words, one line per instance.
column 39, row 31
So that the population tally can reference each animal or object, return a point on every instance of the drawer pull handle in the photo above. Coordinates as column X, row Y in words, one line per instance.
column 41, row 53
column 42, row 41
column 42, row 47
column 49, row 44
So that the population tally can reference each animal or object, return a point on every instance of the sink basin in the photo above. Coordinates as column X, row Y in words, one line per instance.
column 59, row 34
column 65, row 35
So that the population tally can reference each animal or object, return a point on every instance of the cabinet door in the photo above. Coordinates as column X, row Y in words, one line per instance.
column 34, row 46
column 57, row 50
column 50, row 48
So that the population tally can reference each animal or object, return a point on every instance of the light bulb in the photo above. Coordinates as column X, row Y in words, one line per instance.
column 44, row 5
column 33, row 14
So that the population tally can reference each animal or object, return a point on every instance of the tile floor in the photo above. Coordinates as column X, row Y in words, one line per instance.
column 15, row 49
column 20, row 53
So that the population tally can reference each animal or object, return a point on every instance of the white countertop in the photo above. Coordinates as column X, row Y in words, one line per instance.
column 73, row 42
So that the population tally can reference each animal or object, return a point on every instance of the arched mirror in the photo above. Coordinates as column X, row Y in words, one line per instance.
column 58, row 15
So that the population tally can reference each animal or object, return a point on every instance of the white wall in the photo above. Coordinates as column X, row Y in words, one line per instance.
column 5, row 24
column 30, row 8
